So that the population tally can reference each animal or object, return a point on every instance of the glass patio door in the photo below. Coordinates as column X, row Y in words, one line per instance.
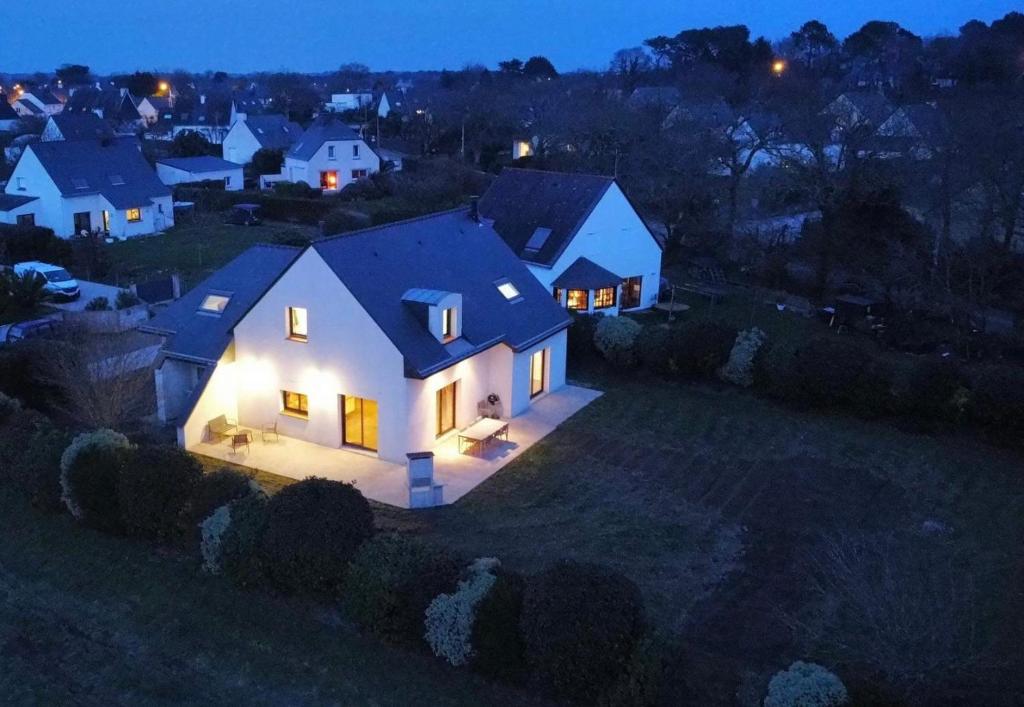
column 359, row 422
column 537, row 362
column 446, row 409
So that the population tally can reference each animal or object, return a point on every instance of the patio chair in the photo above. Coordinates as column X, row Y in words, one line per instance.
column 240, row 439
column 221, row 427
column 268, row 429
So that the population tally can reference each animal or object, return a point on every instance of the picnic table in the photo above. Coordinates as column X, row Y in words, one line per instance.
column 481, row 433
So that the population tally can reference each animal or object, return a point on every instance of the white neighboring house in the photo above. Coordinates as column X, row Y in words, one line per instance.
column 187, row 170
column 350, row 100
column 329, row 156
column 154, row 108
column 580, row 237
column 39, row 102
column 252, row 133
column 383, row 340
column 89, row 185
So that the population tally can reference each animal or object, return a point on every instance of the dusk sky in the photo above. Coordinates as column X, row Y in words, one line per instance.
column 318, row 35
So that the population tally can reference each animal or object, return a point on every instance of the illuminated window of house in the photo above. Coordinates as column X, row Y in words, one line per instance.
column 214, row 303
column 508, row 290
column 133, row 215
column 298, row 329
column 295, row 403
column 329, row 180
column 577, row 300
column 604, row 298
column 448, row 324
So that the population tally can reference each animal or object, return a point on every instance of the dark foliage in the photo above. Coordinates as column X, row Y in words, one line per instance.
column 702, row 347
column 657, row 346
column 155, row 486
column 824, row 372
column 580, row 336
column 497, row 644
column 392, row 580
column 267, row 161
column 997, row 400
column 93, row 477
column 313, row 530
column 191, row 144
column 580, row 625
column 240, row 546
column 212, row 491
column 20, row 243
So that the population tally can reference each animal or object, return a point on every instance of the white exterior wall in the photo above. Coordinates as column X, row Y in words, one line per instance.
column 309, row 171
column 173, row 175
column 615, row 238
column 219, row 397
column 175, row 380
column 346, row 354
column 554, row 373
column 240, row 144
column 11, row 216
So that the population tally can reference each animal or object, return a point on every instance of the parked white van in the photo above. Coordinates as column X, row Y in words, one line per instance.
column 59, row 282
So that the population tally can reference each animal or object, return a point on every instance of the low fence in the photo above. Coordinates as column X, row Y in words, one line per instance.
column 113, row 321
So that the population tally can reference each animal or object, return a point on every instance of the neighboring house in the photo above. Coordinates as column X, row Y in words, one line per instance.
column 92, row 186
column 708, row 113
column 39, row 102
column 383, row 105
column 187, row 170
column 329, row 156
column 664, row 97
column 115, row 105
column 350, row 100
column 255, row 132
column 13, row 152
column 154, row 108
column 859, row 110
column 918, row 130
column 580, row 237
column 27, row 109
column 20, row 210
column 211, row 119
column 75, row 126
column 383, row 341
column 9, row 119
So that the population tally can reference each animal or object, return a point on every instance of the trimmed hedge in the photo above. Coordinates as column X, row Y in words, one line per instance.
column 212, row 491
column 240, row 557
column 390, row 583
column 313, row 530
column 580, row 335
column 703, row 347
column 580, row 625
column 616, row 339
column 498, row 650
column 156, row 484
column 21, row 243
column 92, row 486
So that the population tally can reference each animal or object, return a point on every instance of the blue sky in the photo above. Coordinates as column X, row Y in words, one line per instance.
column 318, row 35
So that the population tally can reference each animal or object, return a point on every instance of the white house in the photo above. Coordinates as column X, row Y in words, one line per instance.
column 155, row 108
column 350, row 100
column 580, row 237
column 329, row 156
column 383, row 341
column 92, row 186
column 38, row 102
column 255, row 132
column 187, row 170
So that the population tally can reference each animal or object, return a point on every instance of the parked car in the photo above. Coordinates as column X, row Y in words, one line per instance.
column 59, row 282
column 245, row 215
column 32, row 329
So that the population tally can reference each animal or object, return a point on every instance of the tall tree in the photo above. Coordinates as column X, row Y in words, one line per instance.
column 539, row 68
column 813, row 41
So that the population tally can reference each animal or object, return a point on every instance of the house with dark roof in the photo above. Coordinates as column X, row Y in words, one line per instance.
column 252, row 133
column 38, row 102
column 383, row 341
column 115, row 105
column 155, row 108
column 76, row 126
column 95, row 186
column 9, row 119
column 917, row 130
column 859, row 110
column 580, row 237
column 663, row 97
column 204, row 168
column 329, row 156
column 210, row 117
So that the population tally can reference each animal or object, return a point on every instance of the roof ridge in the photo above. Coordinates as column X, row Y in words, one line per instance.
column 566, row 174
column 381, row 226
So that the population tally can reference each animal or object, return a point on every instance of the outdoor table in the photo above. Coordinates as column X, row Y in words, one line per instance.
column 481, row 433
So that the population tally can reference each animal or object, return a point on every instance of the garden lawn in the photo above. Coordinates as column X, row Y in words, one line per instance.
column 90, row 619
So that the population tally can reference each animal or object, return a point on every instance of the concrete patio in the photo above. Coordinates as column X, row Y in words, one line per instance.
column 386, row 482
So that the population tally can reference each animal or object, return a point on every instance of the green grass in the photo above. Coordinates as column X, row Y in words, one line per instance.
column 194, row 248
column 90, row 619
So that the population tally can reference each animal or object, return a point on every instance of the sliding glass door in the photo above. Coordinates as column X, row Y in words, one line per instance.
column 446, row 409
column 359, row 422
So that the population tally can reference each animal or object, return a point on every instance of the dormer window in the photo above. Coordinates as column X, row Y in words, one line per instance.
column 438, row 311
column 448, row 319
column 214, row 303
column 298, row 325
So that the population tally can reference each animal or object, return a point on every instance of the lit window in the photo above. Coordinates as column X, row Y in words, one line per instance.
column 329, row 180
column 448, row 323
column 604, row 298
column 214, row 304
column 355, row 152
column 508, row 290
column 133, row 215
column 577, row 300
column 330, row 152
column 297, row 324
column 295, row 403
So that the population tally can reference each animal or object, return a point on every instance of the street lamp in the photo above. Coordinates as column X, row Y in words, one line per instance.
column 778, row 67
column 164, row 87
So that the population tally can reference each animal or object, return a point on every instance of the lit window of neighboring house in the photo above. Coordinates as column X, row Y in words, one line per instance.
column 558, row 292
column 295, row 403
column 604, row 298
column 133, row 215
column 329, row 180
column 330, row 152
column 577, row 300
column 298, row 324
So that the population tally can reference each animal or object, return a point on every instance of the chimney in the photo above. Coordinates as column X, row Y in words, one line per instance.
column 474, row 208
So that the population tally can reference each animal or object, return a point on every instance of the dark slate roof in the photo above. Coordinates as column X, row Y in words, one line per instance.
column 520, row 201
column 446, row 252
column 272, row 131
column 324, row 129
column 81, row 167
column 204, row 337
column 585, row 274
column 873, row 106
column 30, row 106
column 45, row 96
column 162, row 104
column 928, row 120
column 705, row 111
column 114, row 104
column 13, row 201
column 202, row 163
column 81, row 126
column 6, row 112
column 665, row 96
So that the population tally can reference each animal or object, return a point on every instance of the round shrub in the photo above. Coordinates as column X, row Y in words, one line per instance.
column 925, row 388
column 240, row 541
column 89, row 471
column 97, row 304
column 739, row 368
column 313, row 530
column 450, row 617
column 40, row 466
column 126, row 299
column 640, row 684
column 155, row 486
column 390, row 583
column 498, row 650
column 211, row 543
column 615, row 338
column 703, row 347
column 824, row 372
column 805, row 685
column 580, row 625
column 580, row 335
column 213, row 490
column 656, row 348
column 997, row 399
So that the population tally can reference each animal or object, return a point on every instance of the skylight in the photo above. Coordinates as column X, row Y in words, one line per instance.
column 537, row 240
column 116, row 179
column 79, row 183
column 214, row 304
column 507, row 289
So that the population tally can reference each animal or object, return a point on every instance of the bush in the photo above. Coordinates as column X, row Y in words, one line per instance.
column 21, row 243
column 580, row 336
column 739, row 368
column 703, row 347
column 296, row 190
column 656, row 348
column 301, row 210
column 805, row 685
column 997, row 399
column 824, row 372
column 615, row 338
column 925, row 388
column 580, row 625
column 97, row 304
column 390, row 583
column 313, row 530
column 498, row 650
column 89, row 472
column 213, row 490
column 640, row 684
column 40, row 466
column 126, row 299
column 450, row 617
column 10, row 409
column 240, row 557
column 211, row 544
column 155, row 486
column 267, row 160
column 342, row 221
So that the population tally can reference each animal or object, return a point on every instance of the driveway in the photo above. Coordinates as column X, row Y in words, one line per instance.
column 90, row 290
